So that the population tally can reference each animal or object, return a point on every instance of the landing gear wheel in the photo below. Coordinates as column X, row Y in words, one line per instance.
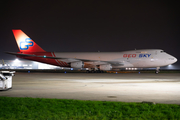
column 87, row 71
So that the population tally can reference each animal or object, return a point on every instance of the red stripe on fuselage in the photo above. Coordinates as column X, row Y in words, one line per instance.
column 62, row 63
column 59, row 62
column 55, row 59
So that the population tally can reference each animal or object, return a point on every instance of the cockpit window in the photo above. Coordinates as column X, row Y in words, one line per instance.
column 162, row 51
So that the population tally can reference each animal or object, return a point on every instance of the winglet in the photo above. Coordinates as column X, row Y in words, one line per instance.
column 25, row 43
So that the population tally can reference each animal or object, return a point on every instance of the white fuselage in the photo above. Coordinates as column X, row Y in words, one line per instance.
column 135, row 58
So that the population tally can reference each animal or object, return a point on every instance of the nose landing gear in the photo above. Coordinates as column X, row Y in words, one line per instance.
column 157, row 70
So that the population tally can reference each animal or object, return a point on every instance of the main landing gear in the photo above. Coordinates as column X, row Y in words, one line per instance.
column 157, row 70
column 94, row 71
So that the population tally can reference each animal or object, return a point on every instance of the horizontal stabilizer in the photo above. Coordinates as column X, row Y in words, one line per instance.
column 14, row 53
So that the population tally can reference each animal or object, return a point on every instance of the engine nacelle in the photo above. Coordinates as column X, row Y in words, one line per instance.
column 78, row 64
column 105, row 67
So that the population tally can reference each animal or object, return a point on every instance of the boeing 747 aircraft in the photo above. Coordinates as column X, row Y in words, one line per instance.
column 103, row 61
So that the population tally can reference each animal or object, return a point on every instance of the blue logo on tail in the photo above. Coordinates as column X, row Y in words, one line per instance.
column 24, row 45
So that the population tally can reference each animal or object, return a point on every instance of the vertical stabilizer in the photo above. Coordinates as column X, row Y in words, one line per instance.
column 25, row 43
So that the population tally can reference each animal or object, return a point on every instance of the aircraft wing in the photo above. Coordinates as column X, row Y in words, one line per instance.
column 69, row 60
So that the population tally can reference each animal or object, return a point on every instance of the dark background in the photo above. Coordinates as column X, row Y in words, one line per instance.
column 91, row 25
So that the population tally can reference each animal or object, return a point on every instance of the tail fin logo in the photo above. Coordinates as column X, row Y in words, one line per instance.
column 24, row 45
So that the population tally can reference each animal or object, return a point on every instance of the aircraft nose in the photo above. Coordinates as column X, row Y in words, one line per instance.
column 172, row 59
column 175, row 59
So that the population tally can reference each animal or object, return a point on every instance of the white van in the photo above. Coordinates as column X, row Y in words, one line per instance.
column 6, row 79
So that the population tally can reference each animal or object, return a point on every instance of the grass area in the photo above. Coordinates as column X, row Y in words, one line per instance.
column 55, row 109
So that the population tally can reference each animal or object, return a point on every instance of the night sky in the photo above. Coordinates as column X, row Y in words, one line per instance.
column 91, row 25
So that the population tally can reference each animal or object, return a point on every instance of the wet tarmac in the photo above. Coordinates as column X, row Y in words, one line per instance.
column 129, row 87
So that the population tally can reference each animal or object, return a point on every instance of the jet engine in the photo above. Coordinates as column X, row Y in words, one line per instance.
column 78, row 64
column 105, row 67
